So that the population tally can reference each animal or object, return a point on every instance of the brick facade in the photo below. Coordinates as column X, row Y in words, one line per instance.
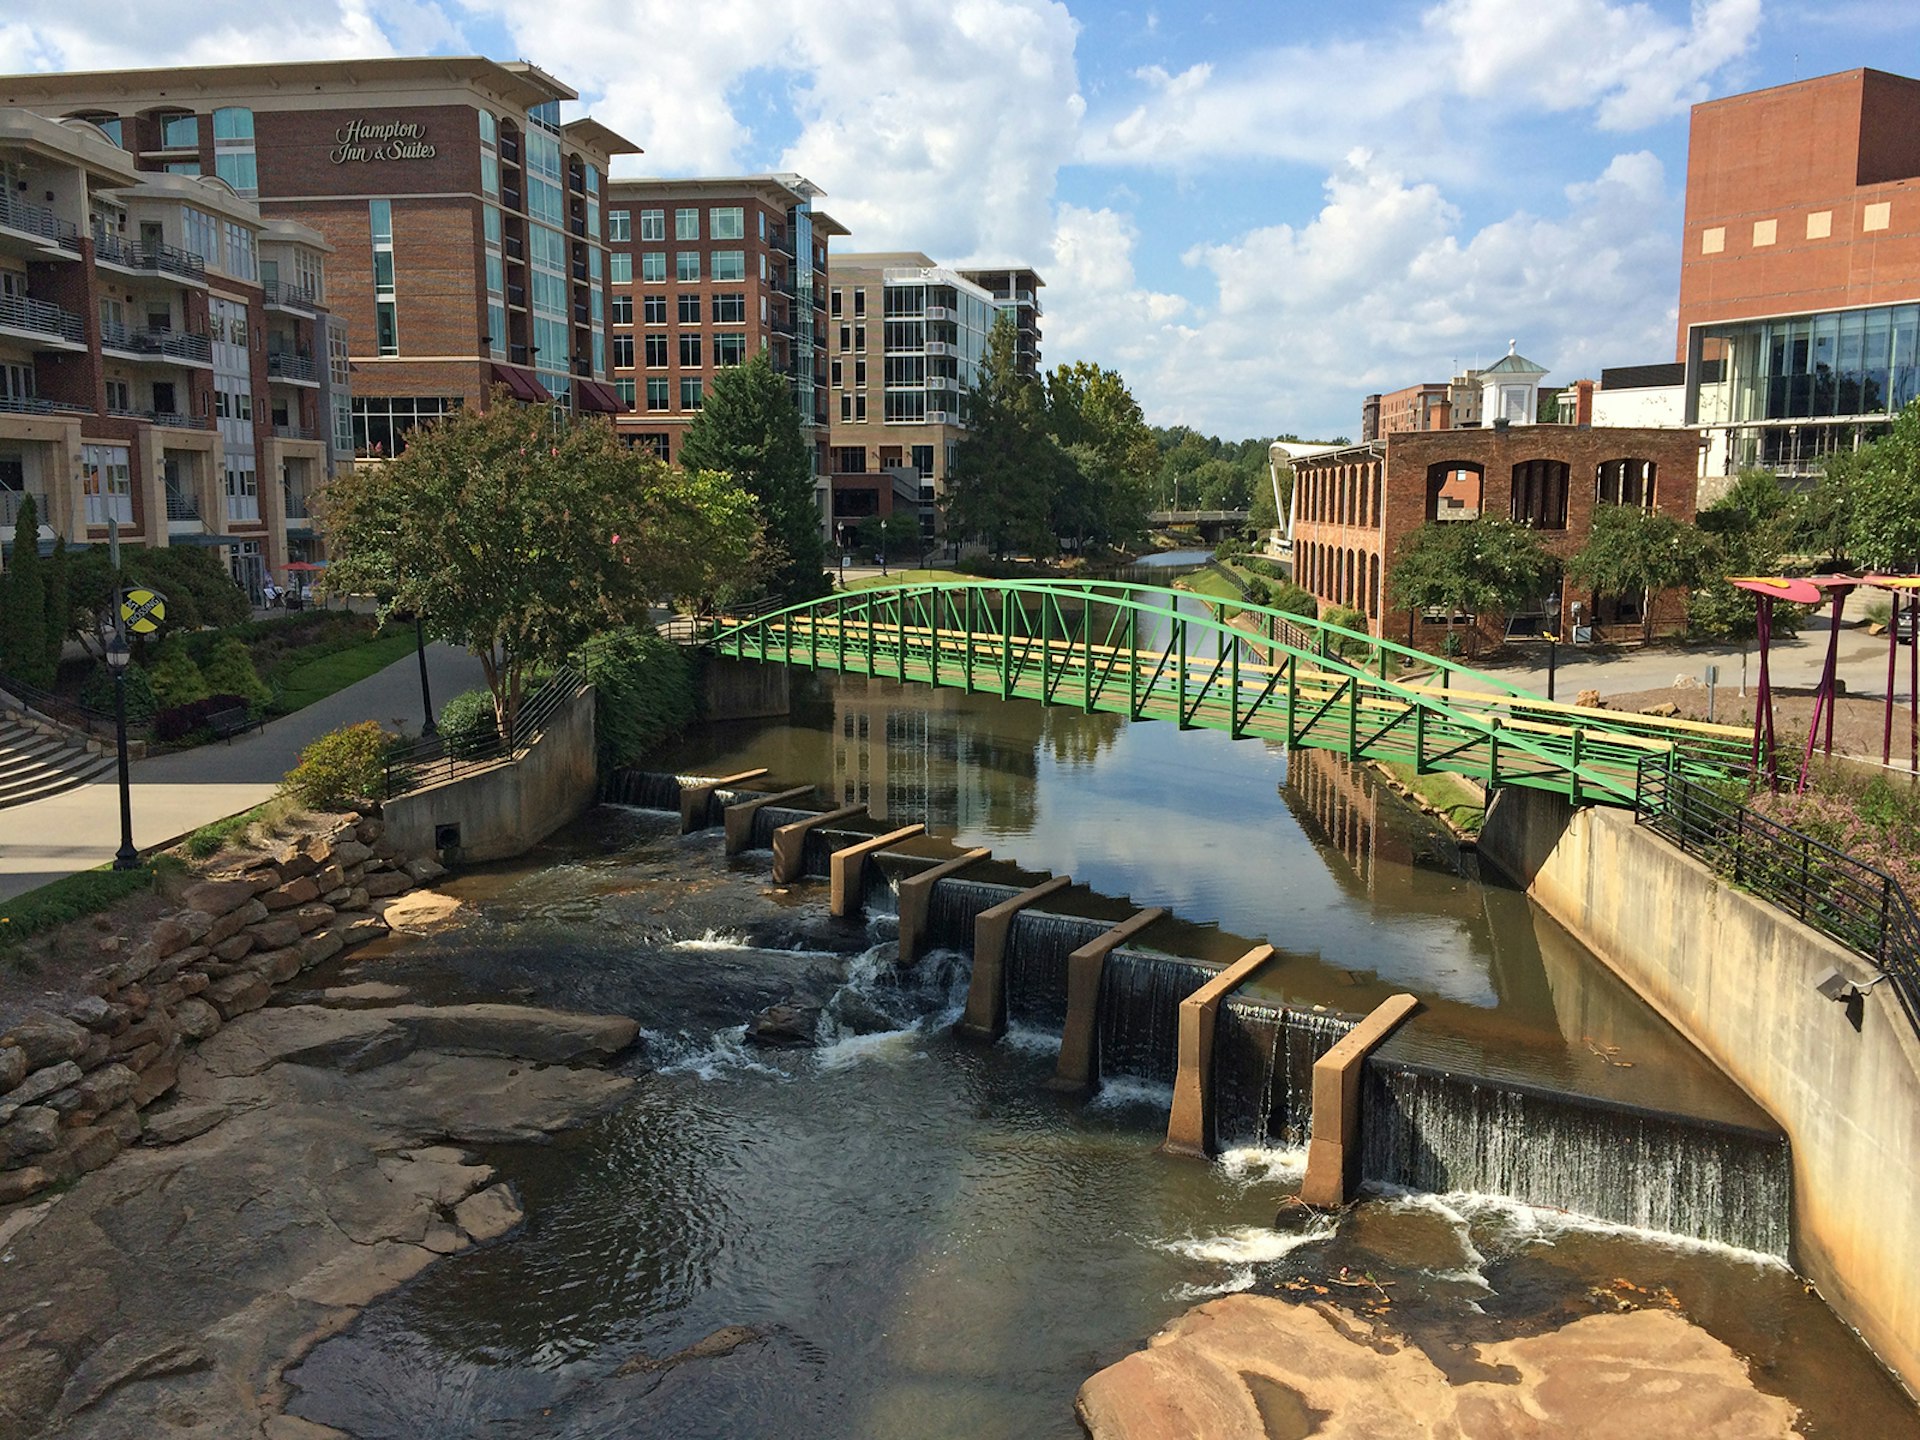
column 1354, row 510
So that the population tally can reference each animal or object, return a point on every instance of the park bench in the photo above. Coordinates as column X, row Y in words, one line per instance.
column 231, row 722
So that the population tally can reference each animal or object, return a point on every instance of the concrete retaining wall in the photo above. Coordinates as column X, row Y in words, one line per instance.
column 509, row 809
column 1735, row 975
column 743, row 689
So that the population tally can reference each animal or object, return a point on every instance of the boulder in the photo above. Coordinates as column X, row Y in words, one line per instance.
column 515, row 1030
column 311, row 917
column 489, row 1213
column 418, row 912
column 157, row 1027
column 99, row 1049
column 319, row 946
column 294, row 892
column 84, row 1151
column 169, row 936
column 234, row 921
column 107, row 1087
column 237, row 994
column 277, row 933
column 92, row 1012
column 329, row 877
column 386, row 883
column 219, row 897
column 337, row 896
column 17, row 1185
column 34, row 1131
column 46, row 1039
column 138, row 965
column 159, row 1077
column 195, row 1018
column 358, row 930
column 357, row 899
column 278, row 966
column 424, row 871
column 351, row 852
column 182, row 1122
column 236, row 947
column 370, row 831
column 13, row 1067
column 794, row 1021
column 42, row 1083
column 294, row 863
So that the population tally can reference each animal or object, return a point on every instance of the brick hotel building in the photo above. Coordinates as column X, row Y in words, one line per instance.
column 706, row 273
column 466, row 217
column 164, row 353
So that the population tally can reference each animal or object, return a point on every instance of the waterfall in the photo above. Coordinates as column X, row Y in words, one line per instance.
column 1704, row 1179
column 769, row 818
column 1139, row 1014
column 1263, row 1071
column 1036, row 965
column 879, row 891
column 953, row 907
column 644, row 789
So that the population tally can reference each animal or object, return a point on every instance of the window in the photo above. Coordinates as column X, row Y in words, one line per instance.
column 729, row 265
column 381, row 422
column 834, row 379
column 623, row 309
column 686, row 224
column 620, row 268
column 730, row 309
column 119, row 395
column 730, row 349
column 686, row 266
column 243, row 491
column 655, row 444
column 489, row 172
column 691, row 397
column 846, row 337
column 624, row 389
column 653, row 224
column 237, row 168
column 240, row 258
column 496, row 274
column 859, row 302
column 729, row 223
column 623, row 352
column 487, row 130
column 183, row 167
column 689, row 309
column 656, row 352
column 690, row 352
column 834, row 308
column 860, row 373
column 490, row 223
column 658, row 394
column 386, row 312
column 859, row 407
column 655, row 309
column 202, row 234
column 182, row 132
column 106, row 475
column 846, row 405
column 619, row 225
column 653, row 267
column 923, row 461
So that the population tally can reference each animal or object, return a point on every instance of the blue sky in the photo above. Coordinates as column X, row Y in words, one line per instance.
column 1257, row 212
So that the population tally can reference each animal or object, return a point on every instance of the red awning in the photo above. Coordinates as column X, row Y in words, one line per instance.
column 592, row 395
column 523, row 385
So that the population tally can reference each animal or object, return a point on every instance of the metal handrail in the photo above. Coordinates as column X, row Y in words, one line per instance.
column 62, row 711
column 18, row 214
column 182, row 505
column 181, row 344
column 431, row 759
column 1843, row 897
column 289, row 296
column 286, row 365
column 25, row 313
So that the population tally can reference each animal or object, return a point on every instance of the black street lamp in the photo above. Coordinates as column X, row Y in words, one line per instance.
column 118, row 657
column 1553, row 650
column 426, row 695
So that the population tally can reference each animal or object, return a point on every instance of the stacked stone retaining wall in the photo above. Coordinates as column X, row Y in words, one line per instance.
column 73, row 1082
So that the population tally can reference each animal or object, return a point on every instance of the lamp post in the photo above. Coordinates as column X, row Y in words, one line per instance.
column 118, row 657
column 1553, row 650
column 426, row 695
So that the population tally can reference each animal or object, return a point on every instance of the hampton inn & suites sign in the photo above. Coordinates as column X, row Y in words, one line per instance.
column 380, row 140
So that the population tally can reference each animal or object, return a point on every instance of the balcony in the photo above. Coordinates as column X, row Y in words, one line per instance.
column 36, row 317
column 516, row 247
column 577, row 224
column 157, row 344
column 158, row 259
column 11, row 501
column 36, row 220
column 517, row 296
column 292, row 430
column 509, row 150
column 182, row 505
column 33, row 405
column 289, row 297
column 283, row 365
column 296, row 498
column 174, row 420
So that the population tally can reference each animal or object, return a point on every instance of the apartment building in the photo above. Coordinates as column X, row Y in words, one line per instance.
column 164, row 354
column 706, row 273
column 907, row 338
column 466, row 217
column 1799, row 319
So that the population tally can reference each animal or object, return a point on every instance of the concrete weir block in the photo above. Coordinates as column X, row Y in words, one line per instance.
column 790, row 842
column 1333, row 1155
column 986, row 1014
column 693, row 798
column 845, row 867
column 738, row 819
column 1079, row 1065
column 1189, row 1125
column 916, row 896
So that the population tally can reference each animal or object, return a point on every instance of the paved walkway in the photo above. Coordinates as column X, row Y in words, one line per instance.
column 174, row 794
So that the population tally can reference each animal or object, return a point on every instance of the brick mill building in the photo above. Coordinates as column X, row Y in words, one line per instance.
column 466, row 218
column 706, row 273
column 1354, row 509
column 163, row 353
column 1799, row 316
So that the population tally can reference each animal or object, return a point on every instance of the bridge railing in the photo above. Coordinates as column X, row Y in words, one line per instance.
column 1860, row 905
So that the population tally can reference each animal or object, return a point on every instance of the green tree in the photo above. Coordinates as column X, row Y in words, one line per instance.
column 1470, row 567
column 1882, row 485
column 177, row 679
column 230, row 671
column 23, row 602
column 1632, row 550
column 749, row 428
column 59, row 606
column 1103, row 495
column 896, row 536
column 1001, row 489
column 519, row 543
column 1748, row 530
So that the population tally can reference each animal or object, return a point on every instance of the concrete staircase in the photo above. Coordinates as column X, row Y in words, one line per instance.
column 37, row 760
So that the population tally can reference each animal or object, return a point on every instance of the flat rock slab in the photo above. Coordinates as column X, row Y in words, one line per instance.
column 420, row 912
column 1248, row 1367
column 172, row 1288
column 363, row 1039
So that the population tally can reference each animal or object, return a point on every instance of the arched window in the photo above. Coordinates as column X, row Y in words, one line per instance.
column 1625, row 482
column 1454, row 490
column 1374, row 599
column 1540, row 494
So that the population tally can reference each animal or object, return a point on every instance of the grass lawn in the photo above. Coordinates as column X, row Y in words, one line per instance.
column 1445, row 793
column 911, row 577
column 73, row 897
column 319, row 678
column 1211, row 583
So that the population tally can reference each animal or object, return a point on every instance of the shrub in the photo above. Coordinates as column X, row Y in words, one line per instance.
column 644, row 693
column 341, row 769
column 179, row 721
column 467, row 723
column 230, row 670
column 1259, row 592
column 176, row 680
column 97, row 693
column 1294, row 600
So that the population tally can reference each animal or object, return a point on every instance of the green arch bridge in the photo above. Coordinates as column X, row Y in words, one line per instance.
column 1246, row 669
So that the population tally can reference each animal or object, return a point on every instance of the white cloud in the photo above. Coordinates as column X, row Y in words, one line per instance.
column 1382, row 288
column 92, row 35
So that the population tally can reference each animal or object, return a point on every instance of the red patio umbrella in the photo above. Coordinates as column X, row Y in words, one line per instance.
column 1770, row 589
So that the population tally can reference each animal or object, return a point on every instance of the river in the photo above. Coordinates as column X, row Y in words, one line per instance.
column 923, row 1239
